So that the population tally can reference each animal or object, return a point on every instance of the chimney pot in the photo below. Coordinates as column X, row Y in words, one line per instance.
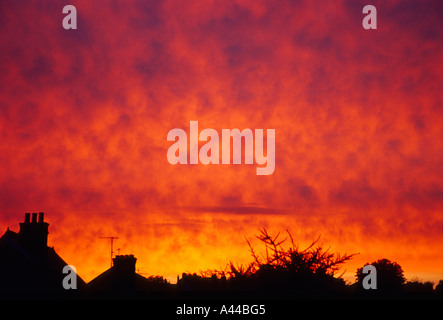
column 34, row 217
column 41, row 217
column 27, row 217
column 125, row 263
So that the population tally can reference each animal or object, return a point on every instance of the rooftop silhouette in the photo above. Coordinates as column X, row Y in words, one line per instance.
column 27, row 264
column 28, row 267
column 120, row 277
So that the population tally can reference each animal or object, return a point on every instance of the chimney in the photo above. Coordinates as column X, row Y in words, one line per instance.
column 41, row 217
column 34, row 236
column 125, row 263
column 27, row 217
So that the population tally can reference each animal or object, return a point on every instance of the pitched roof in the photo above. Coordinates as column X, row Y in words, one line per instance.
column 30, row 268
column 120, row 277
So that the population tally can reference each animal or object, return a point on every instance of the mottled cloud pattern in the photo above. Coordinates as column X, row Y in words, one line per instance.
column 84, row 116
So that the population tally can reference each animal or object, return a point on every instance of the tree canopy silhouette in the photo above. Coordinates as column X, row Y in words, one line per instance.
column 390, row 275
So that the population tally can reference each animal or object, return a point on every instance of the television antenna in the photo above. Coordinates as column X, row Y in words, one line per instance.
column 112, row 245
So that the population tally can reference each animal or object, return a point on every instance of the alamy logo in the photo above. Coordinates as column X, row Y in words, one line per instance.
column 70, row 20
column 70, row 280
column 210, row 151
column 370, row 281
column 370, row 20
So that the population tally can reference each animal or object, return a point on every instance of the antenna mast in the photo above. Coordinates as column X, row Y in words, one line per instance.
column 112, row 245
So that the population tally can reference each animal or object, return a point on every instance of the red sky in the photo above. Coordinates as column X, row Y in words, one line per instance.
column 358, row 114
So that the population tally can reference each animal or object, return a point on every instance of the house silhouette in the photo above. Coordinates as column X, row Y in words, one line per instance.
column 27, row 264
column 121, row 277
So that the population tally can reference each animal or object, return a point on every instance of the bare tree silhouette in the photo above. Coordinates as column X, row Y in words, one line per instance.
column 285, row 267
column 313, row 259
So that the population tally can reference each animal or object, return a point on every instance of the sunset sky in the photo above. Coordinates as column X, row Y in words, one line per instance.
column 358, row 119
